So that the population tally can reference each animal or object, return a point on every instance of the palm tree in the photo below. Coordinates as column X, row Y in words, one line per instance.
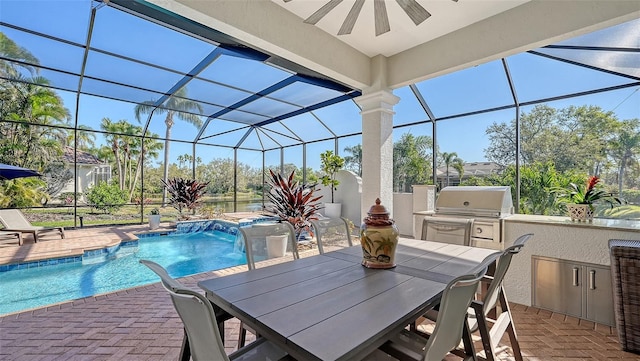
column 9, row 49
column 354, row 161
column 177, row 106
column 450, row 159
column 86, row 139
column 459, row 167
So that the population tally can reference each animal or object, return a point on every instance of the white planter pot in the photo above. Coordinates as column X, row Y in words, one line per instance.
column 154, row 221
column 277, row 246
column 333, row 210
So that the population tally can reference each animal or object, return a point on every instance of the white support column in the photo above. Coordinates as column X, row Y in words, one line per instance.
column 377, row 148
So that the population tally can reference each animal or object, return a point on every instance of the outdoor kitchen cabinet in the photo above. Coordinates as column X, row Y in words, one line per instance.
column 573, row 288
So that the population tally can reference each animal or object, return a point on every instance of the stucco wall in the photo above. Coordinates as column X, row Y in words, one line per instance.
column 558, row 237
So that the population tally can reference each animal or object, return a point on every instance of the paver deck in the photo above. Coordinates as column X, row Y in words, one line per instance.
column 141, row 324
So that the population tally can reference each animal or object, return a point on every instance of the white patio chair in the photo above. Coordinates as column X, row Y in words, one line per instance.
column 450, row 324
column 332, row 232
column 202, row 334
column 257, row 248
column 483, row 316
column 14, row 220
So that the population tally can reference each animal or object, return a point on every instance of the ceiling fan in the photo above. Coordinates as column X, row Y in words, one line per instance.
column 416, row 12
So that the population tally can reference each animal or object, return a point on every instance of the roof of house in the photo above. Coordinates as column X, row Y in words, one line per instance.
column 83, row 157
column 477, row 169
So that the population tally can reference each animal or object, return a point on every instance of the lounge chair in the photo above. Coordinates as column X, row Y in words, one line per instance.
column 14, row 221
column 10, row 237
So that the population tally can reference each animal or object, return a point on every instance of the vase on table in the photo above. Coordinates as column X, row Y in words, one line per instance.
column 379, row 238
column 580, row 212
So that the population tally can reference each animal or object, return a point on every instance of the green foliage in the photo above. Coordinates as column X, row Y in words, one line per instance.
column 411, row 161
column 185, row 193
column 68, row 198
column 589, row 193
column 292, row 201
column 22, row 192
column 330, row 164
column 106, row 197
column 154, row 211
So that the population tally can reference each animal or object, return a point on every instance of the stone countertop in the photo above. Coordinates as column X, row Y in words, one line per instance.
column 601, row 223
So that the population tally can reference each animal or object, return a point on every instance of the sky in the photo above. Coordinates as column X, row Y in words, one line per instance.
column 469, row 90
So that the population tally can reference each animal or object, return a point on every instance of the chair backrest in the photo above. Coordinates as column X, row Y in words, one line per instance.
column 13, row 218
column 197, row 316
column 493, row 291
column 452, row 314
column 447, row 230
column 331, row 232
column 259, row 248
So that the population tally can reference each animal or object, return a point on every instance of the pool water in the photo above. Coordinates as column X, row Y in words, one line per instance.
column 181, row 255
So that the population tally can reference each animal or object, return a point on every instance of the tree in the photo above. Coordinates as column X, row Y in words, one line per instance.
column 625, row 148
column 177, row 106
column 353, row 161
column 330, row 165
column 574, row 138
column 10, row 50
column 450, row 159
column 411, row 161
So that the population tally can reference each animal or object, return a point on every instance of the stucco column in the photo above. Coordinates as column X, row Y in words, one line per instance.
column 377, row 148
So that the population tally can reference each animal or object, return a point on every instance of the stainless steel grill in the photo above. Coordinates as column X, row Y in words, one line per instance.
column 480, row 212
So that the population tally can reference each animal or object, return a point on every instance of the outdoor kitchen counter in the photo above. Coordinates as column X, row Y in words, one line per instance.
column 559, row 237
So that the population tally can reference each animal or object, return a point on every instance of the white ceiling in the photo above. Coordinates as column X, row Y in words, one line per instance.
column 446, row 16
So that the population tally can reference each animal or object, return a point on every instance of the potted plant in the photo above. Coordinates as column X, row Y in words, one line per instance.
column 293, row 202
column 154, row 218
column 330, row 164
column 580, row 200
column 185, row 194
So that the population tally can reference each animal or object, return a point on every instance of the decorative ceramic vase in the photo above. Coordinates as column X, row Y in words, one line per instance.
column 379, row 238
column 580, row 212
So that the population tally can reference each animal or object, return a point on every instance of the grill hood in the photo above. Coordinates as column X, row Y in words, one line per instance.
column 475, row 201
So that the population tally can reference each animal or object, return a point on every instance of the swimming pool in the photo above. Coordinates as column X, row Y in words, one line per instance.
column 180, row 254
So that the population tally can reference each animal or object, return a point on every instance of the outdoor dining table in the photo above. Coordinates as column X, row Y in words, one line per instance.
column 330, row 307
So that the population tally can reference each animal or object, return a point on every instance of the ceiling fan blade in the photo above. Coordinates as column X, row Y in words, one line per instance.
column 351, row 18
column 414, row 10
column 381, row 17
column 315, row 17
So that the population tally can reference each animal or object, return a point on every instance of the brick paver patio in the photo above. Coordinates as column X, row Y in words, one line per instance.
column 141, row 324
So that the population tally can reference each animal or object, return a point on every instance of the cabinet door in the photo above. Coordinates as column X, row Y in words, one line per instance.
column 599, row 295
column 558, row 286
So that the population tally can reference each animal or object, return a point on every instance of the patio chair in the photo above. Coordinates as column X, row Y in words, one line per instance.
column 331, row 232
column 11, row 237
column 14, row 221
column 482, row 315
column 447, row 230
column 451, row 324
column 258, row 247
column 625, row 266
column 202, row 333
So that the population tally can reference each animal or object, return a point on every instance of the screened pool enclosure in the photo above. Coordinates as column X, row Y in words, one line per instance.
column 107, row 98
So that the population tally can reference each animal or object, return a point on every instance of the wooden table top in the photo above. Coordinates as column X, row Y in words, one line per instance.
column 329, row 307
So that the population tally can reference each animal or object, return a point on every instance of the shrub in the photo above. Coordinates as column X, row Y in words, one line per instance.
column 185, row 193
column 106, row 197
column 293, row 202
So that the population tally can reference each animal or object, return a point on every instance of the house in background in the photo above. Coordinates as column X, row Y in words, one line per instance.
column 471, row 169
column 90, row 171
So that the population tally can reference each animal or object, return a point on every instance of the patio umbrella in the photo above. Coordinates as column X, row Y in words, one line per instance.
column 11, row 172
